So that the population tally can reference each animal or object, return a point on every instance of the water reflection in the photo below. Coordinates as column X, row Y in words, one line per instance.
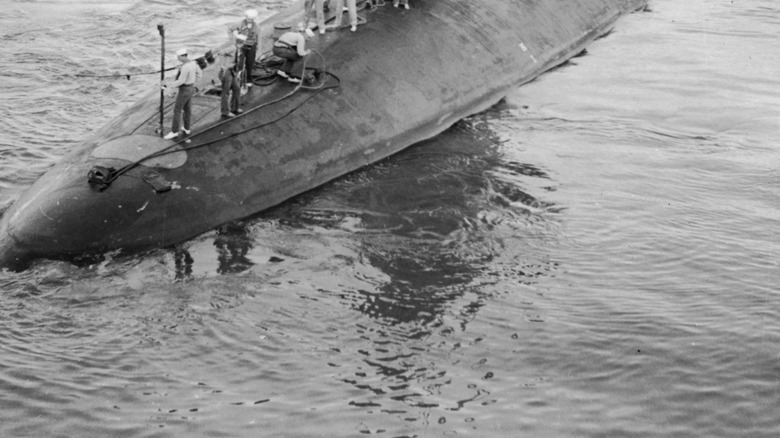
column 439, row 221
column 232, row 245
column 233, row 242
column 183, row 261
column 433, row 219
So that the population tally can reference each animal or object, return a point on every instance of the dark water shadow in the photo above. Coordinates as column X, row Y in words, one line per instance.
column 429, row 217
column 441, row 222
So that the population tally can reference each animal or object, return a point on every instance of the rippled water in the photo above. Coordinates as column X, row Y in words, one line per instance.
column 597, row 255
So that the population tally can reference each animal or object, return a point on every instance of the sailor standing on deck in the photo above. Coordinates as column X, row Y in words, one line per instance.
column 251, row 32
column 230, row 73
column 319, row 13
column 353, row 16
column 189, row 73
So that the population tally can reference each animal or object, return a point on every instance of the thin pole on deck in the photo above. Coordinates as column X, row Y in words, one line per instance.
column 161, row 28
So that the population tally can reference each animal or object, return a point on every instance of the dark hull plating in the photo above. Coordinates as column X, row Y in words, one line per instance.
column 403, row 77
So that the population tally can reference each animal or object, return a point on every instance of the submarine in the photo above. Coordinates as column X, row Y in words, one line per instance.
column 404, row 76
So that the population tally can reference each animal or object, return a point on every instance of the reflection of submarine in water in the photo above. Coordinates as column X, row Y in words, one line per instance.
column 402, row 77
column 427, row 210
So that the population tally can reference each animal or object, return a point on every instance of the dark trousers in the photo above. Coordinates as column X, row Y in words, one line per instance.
column 231, row 91
column 183, row 107
column 250, row 52
column 293, row 62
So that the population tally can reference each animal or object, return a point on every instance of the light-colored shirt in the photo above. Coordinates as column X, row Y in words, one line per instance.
column 189, row 74
column 293, row 39
column 250, row 30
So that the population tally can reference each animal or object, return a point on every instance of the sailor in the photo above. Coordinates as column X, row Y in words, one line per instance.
column 353, row 17
column 188, row 75
column 232, row 66
column 319, row 13
column 403, row 2
column 291, row 46
column 251, row 32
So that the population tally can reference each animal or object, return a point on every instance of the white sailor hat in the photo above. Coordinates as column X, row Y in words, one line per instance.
column 251, row 14
column 181, row 52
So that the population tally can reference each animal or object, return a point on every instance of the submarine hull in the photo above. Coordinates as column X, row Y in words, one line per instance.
column 404, row 76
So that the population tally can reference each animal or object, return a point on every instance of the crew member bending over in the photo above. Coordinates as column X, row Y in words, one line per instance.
column 291, row 47
column 251, row 32
column 189, row 73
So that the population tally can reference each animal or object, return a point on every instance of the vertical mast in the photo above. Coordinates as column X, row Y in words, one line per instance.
column 162, row 77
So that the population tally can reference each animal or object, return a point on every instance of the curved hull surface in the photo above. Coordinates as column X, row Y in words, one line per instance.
column 401, row 78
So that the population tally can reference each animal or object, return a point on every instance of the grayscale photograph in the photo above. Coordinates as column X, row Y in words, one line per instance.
column 390, row 218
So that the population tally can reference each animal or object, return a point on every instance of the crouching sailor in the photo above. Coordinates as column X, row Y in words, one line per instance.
column 189, row 74
column 291, row 46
